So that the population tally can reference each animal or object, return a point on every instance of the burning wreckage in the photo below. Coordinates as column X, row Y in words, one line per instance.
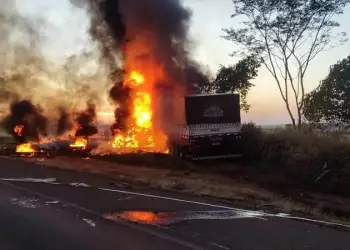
column 211, row 128
column 144, row 45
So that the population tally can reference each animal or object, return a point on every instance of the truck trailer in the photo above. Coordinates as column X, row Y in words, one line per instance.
column 212, row 128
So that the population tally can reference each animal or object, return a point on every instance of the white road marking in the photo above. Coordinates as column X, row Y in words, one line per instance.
column 84, row 185
column 90, row 222
column 25, row 202
column 172, row 199
column 35, row 180
column 52, row 202
column 133, row 226
column 311, row 220
column 52, row 181
column 76, row 184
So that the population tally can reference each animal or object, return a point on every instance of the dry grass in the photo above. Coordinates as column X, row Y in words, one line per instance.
column 6, row 140
column 306, row 160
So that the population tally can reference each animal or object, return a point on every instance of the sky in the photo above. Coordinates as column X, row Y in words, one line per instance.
column 67, row 34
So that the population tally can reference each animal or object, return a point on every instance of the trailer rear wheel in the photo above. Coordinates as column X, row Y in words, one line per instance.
column 181, row 151
column 185, row 151
column 175, row 150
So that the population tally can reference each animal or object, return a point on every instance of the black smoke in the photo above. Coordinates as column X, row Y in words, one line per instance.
column 163, row 25
column 23, row 113
column 85, row 121
column 121, row 96
column 106, row 28
column 64, row 123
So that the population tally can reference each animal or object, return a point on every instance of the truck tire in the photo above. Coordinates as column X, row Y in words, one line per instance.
column 179, row 151
column 185, row 152
column 174, row 149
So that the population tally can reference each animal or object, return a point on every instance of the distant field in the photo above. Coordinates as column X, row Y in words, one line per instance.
column 272, row 126
column 3, row 133
column 5, row 138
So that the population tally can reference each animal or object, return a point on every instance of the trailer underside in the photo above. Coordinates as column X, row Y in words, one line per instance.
column 218, row 146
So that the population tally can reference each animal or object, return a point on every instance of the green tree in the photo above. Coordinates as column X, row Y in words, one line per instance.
column 288, row 35
column 235, row 79
column 330, row 102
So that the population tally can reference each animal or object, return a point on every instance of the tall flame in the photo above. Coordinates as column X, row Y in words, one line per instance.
column 142, row 134
column 135, row 79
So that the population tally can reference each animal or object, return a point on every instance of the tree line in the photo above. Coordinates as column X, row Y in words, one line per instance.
column 285, row 37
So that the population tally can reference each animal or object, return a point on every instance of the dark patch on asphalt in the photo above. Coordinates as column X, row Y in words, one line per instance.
column 165, row 218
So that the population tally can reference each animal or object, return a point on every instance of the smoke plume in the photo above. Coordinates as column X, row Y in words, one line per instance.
column 64, row 122
column 149, row 35
column 120, row 94
column 25, row 122
column 106, row 28
column 28, row 73
column 19, row 51
column 85, row 121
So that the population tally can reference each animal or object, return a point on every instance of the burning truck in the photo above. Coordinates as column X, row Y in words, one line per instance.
column 143, row 47
column 201, row 126
column 211, row 127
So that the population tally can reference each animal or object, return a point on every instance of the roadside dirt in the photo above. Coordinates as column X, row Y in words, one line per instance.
column 181, row 180
column 237, row 191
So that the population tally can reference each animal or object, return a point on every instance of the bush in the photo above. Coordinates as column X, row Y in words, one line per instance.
column 289, row 147
column 251, row 142
column 313, row 160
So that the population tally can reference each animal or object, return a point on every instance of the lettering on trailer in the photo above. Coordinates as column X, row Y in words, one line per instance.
column 213, row 111
column 210, row 109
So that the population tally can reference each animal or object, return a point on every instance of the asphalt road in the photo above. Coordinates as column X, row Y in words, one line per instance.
column 43, row 208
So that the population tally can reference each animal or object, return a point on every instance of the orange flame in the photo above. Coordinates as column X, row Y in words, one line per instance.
column 79, row 143
column 19, row 130
column 142, row 110
column 25, row 148
column 135, row 79
column 142, row 135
